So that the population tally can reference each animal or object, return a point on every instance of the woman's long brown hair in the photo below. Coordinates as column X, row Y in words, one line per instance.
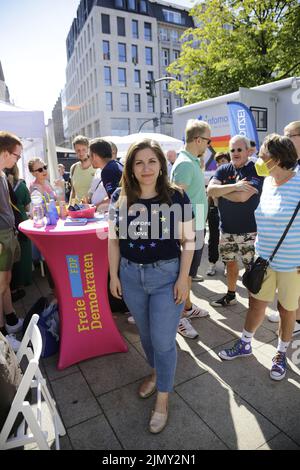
column 130, row 187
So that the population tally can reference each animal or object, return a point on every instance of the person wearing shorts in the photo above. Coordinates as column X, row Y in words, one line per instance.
column 187, row 174
column 237, row 187
column 10, row 153
column 279, row 199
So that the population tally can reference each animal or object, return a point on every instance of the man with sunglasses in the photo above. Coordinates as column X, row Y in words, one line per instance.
column 82, row 172
column 10, row 153
column 187, row 173
column 237, row 187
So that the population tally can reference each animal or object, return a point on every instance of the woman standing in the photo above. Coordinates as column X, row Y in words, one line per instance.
column 38, row 169
column 280, row 197
column 22, row 270
column 151, row 246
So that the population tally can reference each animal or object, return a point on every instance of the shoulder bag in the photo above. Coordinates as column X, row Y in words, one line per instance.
column 255, row 272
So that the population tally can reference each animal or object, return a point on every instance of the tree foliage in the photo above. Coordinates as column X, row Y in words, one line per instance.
column 237, row 43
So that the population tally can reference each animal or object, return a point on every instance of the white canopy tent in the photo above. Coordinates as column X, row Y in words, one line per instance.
column 123, row 143
column 29, row 126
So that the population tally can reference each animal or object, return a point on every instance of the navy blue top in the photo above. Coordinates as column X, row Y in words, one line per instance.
column 111, row 175
column 238, row 217
column 148, row 231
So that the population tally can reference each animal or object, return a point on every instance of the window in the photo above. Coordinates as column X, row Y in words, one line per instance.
column 120, row 3
column 150, row 104
column 108, row 101
column 148, row 32
column 150, row 75
column 134, row 54
column 142, row 6
column 137, row 78
column 137, row 103
column 120, row 126
column 106, row 50
column 122, row 77
column 132, row 5
column 122, row 52
column 176, row 54
column 124, row 102
column 260, row 117
column 165, row 57
column 107, row 76
column 167, row 107
column 135, row 29
column 173, row 17
column 97, row 128
column 105, row 23
column 148, row 56
column 95, row 78
column 121, row 26
column 164, row 34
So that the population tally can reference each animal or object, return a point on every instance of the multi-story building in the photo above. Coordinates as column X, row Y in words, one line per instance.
column 4, row 93
column 113, row 48
column 57, row 118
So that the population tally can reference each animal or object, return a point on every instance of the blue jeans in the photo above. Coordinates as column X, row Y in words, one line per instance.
column 148, row 292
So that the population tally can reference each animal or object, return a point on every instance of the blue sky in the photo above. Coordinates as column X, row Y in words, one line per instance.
column 33, row 49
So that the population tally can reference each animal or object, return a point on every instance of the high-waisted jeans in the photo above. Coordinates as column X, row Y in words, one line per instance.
column 148, row 292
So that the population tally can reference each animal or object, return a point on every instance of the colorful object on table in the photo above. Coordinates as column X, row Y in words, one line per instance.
column 85, row 211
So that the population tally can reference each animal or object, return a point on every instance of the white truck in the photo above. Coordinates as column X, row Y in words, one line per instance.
column 273, row 105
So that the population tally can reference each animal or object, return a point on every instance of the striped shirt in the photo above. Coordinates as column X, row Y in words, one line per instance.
column 277, row 205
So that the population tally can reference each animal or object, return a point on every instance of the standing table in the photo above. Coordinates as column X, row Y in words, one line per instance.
column 77, row 257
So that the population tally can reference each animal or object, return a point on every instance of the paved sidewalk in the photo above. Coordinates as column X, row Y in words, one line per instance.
column 215, row 405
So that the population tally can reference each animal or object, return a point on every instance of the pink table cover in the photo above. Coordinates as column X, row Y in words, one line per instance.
column 78, row 261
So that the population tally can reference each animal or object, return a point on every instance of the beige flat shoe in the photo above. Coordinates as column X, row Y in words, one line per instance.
column 147, row 388
column 158, row 422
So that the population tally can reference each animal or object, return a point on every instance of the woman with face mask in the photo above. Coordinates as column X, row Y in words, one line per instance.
column 280, row 196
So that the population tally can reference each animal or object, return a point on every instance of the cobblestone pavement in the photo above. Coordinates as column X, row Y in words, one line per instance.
column 215, row 405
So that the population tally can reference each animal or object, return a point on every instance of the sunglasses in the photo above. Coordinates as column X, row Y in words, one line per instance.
column 236, row 150
column 204, row 138
column 16, row 155
column 40, row 170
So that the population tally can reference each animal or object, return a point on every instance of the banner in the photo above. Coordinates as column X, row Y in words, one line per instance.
column 242, row 121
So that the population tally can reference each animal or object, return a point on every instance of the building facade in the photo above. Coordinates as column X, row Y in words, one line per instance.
column 113, row 48
column 4, row 93
column 57, row 118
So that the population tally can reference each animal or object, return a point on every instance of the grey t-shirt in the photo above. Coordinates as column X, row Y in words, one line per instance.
column 7, row 219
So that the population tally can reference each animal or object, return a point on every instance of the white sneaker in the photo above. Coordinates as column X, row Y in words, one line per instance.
column 185, row 329
column 195, row 312
column 14, row 343
column 211, row 270
column 296, row 329
column 198, row 278
column 274, row 317
column 15, row 328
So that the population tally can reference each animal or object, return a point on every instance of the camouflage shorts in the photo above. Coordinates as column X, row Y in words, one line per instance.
column 231, row 246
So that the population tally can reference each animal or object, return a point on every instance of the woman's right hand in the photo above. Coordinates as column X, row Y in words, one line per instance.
column 115, row 287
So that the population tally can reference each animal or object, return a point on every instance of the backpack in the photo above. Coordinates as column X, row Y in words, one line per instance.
column 48, row 324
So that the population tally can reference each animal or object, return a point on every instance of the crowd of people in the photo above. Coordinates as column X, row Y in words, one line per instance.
column 159, row 208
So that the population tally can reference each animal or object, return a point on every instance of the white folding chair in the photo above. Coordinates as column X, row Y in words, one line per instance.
column 31, row 430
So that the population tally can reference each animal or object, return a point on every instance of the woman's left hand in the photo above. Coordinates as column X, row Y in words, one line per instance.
column 181, row 290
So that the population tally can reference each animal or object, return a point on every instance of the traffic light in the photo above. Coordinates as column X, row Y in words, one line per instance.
column 149, row 87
